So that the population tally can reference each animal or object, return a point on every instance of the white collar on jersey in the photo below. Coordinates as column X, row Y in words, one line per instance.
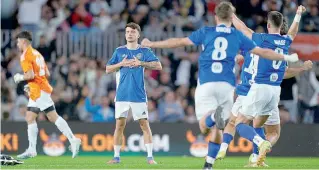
column 274, row 33
column 138, row 46
column 221, row 24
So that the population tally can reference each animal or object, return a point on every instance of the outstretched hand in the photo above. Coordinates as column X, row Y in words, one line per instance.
column 146, row 43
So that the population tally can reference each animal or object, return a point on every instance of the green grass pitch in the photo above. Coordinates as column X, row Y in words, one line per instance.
column 164, row 162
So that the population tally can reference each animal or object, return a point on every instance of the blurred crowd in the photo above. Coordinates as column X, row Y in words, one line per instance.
column 84, row 92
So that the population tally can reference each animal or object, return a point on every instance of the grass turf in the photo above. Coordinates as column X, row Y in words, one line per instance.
column 164, row 162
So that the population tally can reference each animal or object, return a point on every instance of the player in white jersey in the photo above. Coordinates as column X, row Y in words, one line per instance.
column 129, row 62
column 214, row 91
column 272, row 125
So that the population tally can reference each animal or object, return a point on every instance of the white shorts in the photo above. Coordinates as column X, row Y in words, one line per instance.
column 209, row 96
column 237, row 106
column 139, row 110
column 274, row 118
column 261, row 99
column 43, row 102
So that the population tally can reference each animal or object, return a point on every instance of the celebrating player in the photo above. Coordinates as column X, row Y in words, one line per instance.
column 129, row 62
column 263, row 97
column 35, row 73
column 214, row 92
column 272, row 125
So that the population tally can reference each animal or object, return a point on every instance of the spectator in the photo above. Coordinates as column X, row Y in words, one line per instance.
column 190, row 115
column 286, row 98
column 117, row 6
column 44, row 49
column 30, row 14
column 311, row 20
column 100, row 112
column 289, row 9
column 81, row 18
column 104, row 20
column 51, row 21
column 155, row 29
column 97, row 6
column 19, row 109
column 284, row 115
column 308, row 89
column 169, row 109
column 152, row 111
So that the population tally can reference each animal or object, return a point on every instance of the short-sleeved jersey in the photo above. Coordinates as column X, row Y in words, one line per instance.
column 130, row 81
column 268, row 71
column 245, row 76
column 220, row 45
column 31, row 59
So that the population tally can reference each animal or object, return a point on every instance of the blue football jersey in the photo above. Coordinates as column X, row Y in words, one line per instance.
column 245, row 76
column 268, row 71
column 220, row 45
column 130, row 81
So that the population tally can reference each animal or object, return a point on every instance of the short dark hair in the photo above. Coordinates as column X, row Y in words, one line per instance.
column 25, row 35
column 224, row 11
column 133, row 26
column 284, row 27
column 275, row 18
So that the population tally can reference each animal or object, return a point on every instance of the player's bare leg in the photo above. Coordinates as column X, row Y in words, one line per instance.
column 63, row 126
column 272, row 133
column 118, row 138
column 147, row 134
column 228, row 135
column 30, row 118
column 248, row 132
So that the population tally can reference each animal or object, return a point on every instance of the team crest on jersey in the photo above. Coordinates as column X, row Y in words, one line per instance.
column 139, row 56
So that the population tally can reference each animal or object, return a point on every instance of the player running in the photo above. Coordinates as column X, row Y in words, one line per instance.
column 39, row 90
column 214, row 92
column 272, row 125
column 129, row 62
column 263, row 96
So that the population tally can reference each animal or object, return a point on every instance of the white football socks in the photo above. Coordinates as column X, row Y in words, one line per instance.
column 32, row 136
column 210, row 160
column 64, row 128
column 223, row 147
column 149, row 149
column 117, row 149
column 258, row 140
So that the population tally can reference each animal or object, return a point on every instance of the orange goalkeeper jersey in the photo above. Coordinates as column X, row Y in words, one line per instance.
column 31, row 59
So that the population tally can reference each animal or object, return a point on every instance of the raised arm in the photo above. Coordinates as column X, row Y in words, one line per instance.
column 293, row 30
column 272, row 55
column 240, row 25
column 294, row 71
column 169, row 43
